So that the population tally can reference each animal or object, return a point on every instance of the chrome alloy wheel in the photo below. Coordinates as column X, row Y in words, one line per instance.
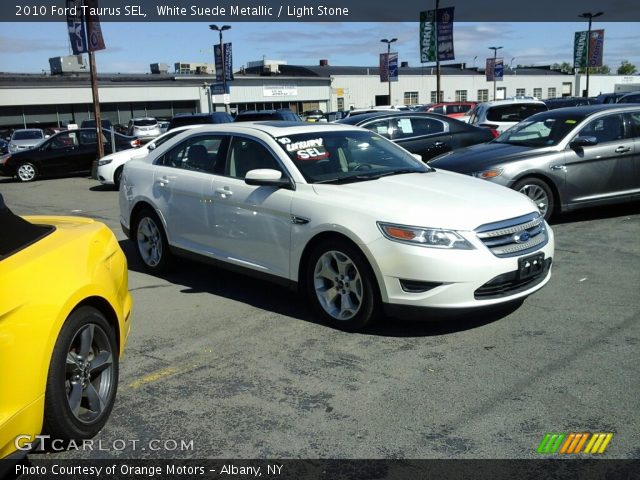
column 538, row 195
column 338, row 285
column 89, row 373
column 149, row 242
column 26, row 172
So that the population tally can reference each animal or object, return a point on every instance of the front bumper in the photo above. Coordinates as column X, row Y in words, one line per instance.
column 415, row 276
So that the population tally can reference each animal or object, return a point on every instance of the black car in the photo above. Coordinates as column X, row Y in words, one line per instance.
column 183, row 119
column 283, row 114
column 633, row 97
column 607, row 98
column 427, row 134
column 563, row 102
column 71, row 151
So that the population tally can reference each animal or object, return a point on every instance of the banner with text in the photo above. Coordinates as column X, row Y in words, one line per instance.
column 94, row 31
column 389, row 67
column 428, row 36
column 228, row 62
column 75, row 24
column 595, row 46
column 494, row 69
column 444, row 18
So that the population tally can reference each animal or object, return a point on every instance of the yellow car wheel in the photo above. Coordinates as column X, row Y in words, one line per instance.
column 83, row 376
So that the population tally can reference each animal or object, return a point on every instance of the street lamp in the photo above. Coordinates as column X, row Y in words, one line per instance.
column 511, row 63
column 495, row 55
column 389, row 42
column 224, row 71
column 589, row 16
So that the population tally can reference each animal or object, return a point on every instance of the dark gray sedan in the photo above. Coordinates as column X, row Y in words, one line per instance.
column 562, row 159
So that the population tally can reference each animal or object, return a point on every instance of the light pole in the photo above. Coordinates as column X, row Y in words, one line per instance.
column 589, row 16
column 495, row 56
column 389, row 42
column 224, row 70
column 511, row 63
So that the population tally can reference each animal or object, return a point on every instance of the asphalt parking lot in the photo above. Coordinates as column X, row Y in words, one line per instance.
column 231, row 367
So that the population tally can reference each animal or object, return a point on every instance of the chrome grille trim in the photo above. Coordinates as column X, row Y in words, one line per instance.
column 501, row 239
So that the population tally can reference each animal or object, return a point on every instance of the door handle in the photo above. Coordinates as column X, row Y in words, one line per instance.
column 224, row 192
column 623, row 149
column 164, row 181
column 558, row 167
column 438, row 144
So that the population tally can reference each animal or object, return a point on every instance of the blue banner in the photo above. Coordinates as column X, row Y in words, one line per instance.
column 393, row 67
column 498, row 69
column 75, row 24
column 444, row 20
column 228, row 62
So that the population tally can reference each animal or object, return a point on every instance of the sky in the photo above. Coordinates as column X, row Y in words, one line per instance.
column 132, row 47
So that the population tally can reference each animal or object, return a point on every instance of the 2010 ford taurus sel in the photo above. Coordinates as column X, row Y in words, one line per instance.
column 339, row 212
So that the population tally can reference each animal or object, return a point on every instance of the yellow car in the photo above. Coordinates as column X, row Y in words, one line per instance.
column 64, row 321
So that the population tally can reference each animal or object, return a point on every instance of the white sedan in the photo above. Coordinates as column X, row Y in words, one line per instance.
column 110, row 166
column 342, row 214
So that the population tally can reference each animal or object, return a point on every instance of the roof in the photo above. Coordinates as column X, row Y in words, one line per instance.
column 585, row 110
column 276, row 128
column 363, row 117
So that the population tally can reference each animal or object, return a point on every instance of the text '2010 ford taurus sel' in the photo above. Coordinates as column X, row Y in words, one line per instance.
column 339, row 212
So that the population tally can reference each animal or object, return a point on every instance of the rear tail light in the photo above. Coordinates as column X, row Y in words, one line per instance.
column 492, row 128
column 135, row 143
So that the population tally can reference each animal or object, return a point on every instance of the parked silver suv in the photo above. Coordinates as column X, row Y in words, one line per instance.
column 145, row 128
column 501, row 115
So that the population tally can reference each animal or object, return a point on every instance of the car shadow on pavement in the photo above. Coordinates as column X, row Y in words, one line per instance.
column 102, row 188
column 202, row 278
column 598, row 213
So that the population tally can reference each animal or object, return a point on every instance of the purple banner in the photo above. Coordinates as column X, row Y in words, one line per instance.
column 444, row 20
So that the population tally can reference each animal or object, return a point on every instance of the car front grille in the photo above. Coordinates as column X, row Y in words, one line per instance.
column 514, row 237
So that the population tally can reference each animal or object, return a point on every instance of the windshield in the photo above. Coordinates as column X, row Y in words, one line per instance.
column 145, row 122
column 545, row 132
column 28, row 135
column 339, row 157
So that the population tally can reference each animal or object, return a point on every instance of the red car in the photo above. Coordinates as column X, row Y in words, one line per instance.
column 451, row 109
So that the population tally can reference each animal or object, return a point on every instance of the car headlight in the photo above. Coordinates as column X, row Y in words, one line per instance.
column 426, row 237
column 104, row 162
column 13, row 148
column 488, row 174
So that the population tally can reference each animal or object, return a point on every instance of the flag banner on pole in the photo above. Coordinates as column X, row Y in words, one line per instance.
column 94, row 31
column 75, row 24
column 428, row 36
column 217, row 56
column 596, row 47
column 489, row 70
column 498, row 69
column 580, row 49
column 384, row 67
column 393, row 66
column 228, row 62
column 445, row 33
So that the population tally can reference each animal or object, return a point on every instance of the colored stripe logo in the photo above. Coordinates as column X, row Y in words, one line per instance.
column 573, row 443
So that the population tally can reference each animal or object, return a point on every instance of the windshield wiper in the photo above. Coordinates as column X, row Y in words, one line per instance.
column 400, row 172
column 363, row 178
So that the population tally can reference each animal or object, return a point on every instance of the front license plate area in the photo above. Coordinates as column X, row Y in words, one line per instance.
column 530, row 266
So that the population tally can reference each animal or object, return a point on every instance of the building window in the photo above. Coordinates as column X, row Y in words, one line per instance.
column 551, row 93
column 410, row 98
column 340, row 104
column 433, row 96
column 520, row 92
column 461, row 95
column 483, row 95
column 537, row 92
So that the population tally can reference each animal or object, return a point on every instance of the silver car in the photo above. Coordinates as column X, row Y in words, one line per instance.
column 146, row 129
column 563, row 159
column 25, row 139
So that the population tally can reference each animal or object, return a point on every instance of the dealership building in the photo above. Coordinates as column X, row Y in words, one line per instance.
column 64, row 96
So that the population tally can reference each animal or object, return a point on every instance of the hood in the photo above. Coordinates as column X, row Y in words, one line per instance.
column 482, row 156
column 437, row 199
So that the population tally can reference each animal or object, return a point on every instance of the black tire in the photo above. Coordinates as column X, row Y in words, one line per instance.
column 346, row 271
column 26, row 172
column 151, row 242
column 117, row 176
column 83, row 377
column 538, row 191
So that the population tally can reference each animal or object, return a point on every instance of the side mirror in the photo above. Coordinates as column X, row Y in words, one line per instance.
column 417, row 156
column 266, row 177
column 580, row 142
column 151, row 146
